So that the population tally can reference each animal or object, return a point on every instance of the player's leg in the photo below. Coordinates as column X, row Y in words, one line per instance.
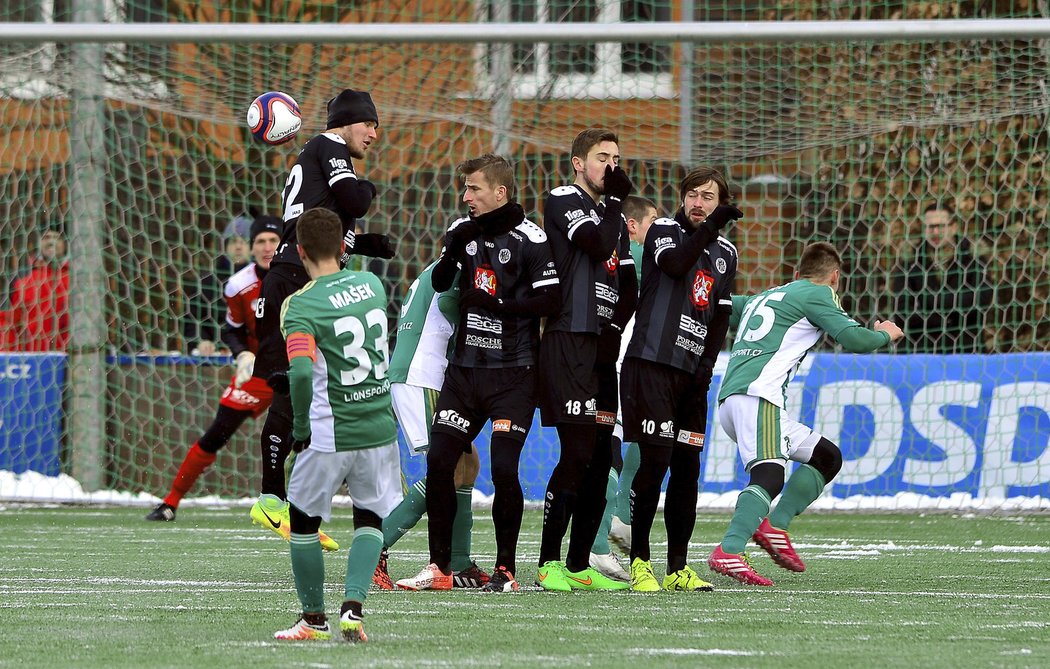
column 200, row 456
column 508, row 506
column 603, row 489
column 755, row 425
column 414, row 409
column 373, row 479
column 680, row 519
column 821, row 461
column 465, row 572
column 311, row 490
column 568, row 386
column 620, row 531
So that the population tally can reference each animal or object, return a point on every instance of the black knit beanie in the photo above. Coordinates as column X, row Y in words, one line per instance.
column 351, row 106
column 263, row 224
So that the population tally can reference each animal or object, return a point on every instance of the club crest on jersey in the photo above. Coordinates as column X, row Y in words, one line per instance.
column 485, row 279
column 701, row 293
column 612, row 263
column 504, row 256
column 472, row 248
column 720, row 265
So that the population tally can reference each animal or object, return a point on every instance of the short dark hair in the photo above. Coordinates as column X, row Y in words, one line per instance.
column 589, row 138
column 939, row 206
column 637, row 207
column 700, row 176
column 320, row 232
column 497, row 170
column 818, row 261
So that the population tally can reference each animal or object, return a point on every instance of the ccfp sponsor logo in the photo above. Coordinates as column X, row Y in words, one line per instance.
column 453, row 419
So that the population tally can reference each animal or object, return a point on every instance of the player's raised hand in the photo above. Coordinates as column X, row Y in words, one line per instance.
column 890, row 328
column 616, row 183
column 458, row 237
column 721, row 216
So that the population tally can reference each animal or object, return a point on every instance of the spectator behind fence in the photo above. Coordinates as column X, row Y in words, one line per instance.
column 944, row 292
column 204, row 303
column 38, row 317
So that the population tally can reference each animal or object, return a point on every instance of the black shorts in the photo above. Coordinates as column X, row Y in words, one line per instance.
column 568, row 379
column 470, row 396
column 281, row 281
column 661, row 405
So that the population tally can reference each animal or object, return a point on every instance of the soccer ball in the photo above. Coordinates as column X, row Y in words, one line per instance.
column 274, row 118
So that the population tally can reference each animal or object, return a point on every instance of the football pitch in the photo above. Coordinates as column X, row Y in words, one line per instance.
column 98, row 587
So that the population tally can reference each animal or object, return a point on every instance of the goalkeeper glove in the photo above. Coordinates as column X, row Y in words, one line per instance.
column 245, row 368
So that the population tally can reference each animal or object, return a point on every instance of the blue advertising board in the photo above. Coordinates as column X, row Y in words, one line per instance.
column 31, row 411
column 932, row 425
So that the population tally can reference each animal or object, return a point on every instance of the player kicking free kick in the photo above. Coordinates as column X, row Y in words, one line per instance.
column 342, row 423
column 776, row 330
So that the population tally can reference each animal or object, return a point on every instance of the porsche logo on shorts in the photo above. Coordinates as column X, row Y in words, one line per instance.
column 501, row 425
column 700, row 295
column 485, row 279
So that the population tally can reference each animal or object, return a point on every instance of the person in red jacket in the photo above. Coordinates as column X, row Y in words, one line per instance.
column 38, row 318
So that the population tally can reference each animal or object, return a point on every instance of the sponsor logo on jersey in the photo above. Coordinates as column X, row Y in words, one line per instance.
column 338, row 163
column 692, row 326
column 502, row 425
column 516, row 236
column 605, row 292
column 613, row 263
column 484, row 324
column 351, row 295
column 720, row 265
column 483, row 342
column 690, row 345
column 590, row 407
column 490, row 245
column 575, row 215
column 661, row 242
column 452, row 419
column 360, row 395
column 745, row 353
column 485, row 279
column 472, row 248
column 504, row 256
column 700, row 295
column 691, row 438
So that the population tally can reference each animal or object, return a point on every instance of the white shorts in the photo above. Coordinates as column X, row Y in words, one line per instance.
column 763, row 431
column 372, row 477
column 414, row 408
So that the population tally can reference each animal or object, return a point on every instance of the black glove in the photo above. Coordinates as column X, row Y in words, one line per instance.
column 279, row 382
column 617, row 185
column 299, row 445
column 702, row 377
column 374, row 245
column 722, row 214
column 457, row 239
column 609, row 344
column 476, row 298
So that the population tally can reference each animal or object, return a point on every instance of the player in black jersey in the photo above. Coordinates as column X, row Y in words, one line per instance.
column 683, row 315
column 508, row 282
column 592, row 253
column 323, row 176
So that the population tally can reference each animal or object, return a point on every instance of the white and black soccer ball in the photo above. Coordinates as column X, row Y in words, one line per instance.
column 274, row 118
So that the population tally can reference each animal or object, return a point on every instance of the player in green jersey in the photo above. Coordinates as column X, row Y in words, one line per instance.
column 343, row 424
column 775, row 331
column 425, row 344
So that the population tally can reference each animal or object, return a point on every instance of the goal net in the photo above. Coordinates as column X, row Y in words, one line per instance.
column 923, row 160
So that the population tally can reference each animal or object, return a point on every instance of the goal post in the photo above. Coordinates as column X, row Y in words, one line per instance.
column 844, row 124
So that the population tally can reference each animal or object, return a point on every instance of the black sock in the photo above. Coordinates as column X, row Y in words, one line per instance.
column 508, row 503
column 577, row 443
column 680, row 505
column 274, row 446
column 590, row 504
column 445, row 451
column 645, row 496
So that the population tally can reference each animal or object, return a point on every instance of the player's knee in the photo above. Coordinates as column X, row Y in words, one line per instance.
column 443, row 456
column 224, row 426
column 826, row 459
column 366, row 518
column 768, row 475
column 468, row 468
column 302, row 523
column 505, row 458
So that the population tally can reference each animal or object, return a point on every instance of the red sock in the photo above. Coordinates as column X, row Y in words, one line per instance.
column 197, row 460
